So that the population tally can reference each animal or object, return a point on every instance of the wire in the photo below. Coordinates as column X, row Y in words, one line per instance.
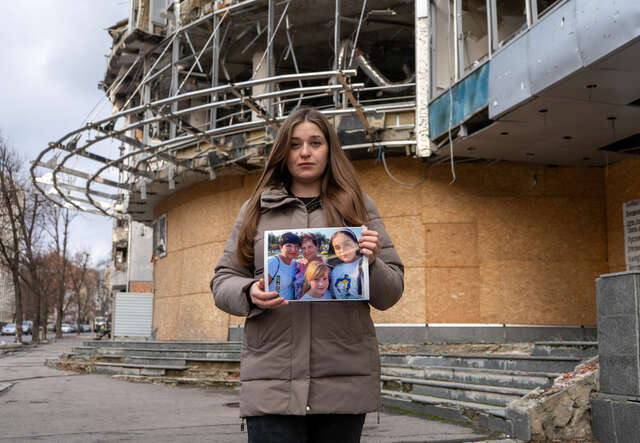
column 453, row 170
column 386, row 168
column 270, row 42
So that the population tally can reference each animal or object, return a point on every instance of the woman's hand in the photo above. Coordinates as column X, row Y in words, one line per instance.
column 265, row 299
column 370, row 245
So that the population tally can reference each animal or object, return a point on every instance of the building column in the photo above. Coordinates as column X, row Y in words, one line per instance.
column 423, row 76
column 616, row 408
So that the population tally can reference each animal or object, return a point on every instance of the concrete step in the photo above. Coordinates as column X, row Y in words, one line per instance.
column 135, row 360
column 490, row 395
column 136, row 369
column 209, row 382
column 165, row 345
column 464, row 412
column 200, row 355
column 491, row 377
column 581, row 349
column 525, row 363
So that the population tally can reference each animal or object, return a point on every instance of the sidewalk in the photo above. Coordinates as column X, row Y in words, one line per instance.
column 46, row 404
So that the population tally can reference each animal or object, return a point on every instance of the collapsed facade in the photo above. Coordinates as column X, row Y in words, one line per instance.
column 498, row 138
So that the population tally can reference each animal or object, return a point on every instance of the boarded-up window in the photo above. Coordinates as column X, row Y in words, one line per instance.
column 160, row 237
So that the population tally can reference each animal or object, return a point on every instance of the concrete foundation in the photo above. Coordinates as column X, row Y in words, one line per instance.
column 615, row 410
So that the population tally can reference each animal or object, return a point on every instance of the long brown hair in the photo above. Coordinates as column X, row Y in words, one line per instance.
column 342, row 200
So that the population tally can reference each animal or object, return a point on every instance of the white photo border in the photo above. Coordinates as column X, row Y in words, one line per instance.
column 341, row 289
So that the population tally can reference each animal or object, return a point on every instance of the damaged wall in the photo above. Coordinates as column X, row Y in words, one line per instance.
column 506, row 243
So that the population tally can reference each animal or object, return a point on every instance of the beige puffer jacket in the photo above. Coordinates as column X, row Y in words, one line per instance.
column 306, row 358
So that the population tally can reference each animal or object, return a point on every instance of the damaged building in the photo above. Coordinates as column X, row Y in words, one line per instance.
column 498, row 138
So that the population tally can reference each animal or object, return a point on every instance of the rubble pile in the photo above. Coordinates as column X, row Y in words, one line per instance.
column 562, row 412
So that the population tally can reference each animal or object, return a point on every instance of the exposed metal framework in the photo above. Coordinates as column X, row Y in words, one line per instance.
column 202, row 95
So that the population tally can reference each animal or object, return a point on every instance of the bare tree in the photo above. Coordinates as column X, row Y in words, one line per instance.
column 79, row 276
column 58, row 228
column 20, row 233
column 10, row 196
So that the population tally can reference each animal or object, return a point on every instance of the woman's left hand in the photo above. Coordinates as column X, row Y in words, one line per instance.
column 370, row 245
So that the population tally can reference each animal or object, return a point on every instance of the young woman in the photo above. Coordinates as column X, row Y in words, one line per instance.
column 316, row 282
column 309, row 246
column 346, row 278
column 309, row 371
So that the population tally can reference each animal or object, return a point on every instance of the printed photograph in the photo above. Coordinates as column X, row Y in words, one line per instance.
column 319, row 264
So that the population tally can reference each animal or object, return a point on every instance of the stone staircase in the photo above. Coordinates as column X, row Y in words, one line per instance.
column 468, row 388
column 177, row 362
column 474, row 389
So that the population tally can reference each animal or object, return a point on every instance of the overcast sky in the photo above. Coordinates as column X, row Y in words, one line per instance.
column 52, row 56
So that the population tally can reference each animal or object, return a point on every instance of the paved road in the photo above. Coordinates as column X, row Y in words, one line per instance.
column 44, row 404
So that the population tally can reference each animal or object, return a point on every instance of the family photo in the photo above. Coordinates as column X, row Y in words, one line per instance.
column 317, row 264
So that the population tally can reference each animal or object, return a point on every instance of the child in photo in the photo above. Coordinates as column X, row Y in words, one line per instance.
column 316, row 282
column 346, row 277
column 281, row 267
column 310, row 245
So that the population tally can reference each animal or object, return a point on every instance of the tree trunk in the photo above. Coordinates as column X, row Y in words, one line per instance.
column 18, row 296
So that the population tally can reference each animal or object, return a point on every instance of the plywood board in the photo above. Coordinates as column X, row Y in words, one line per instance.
column 407, row 236
column 168, row 273
column 573, row 182
column 411, row 307
column 453, row 295
column 622, row 185
column 451, row 244
column 391, row 198
column 497, row 180
column 198, row 265
column 541, row 229
column 540, row 292
column 198, row 319
column 165, row 317
column 616, row 250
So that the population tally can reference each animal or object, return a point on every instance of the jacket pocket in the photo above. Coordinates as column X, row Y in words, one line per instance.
column 269, row 329
column 266, row 348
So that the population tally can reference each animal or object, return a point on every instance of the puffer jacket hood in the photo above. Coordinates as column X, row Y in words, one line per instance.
column 306, row 358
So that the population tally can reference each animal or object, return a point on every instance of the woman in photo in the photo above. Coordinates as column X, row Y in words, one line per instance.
column 282, row 267
column 346, row 278
column 310, row 246
column 309, row 371
column 316, row 282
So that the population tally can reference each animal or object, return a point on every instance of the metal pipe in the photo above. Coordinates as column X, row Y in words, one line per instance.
column 378, row 78
column 457, row 51
column 270, row 35
column 336, row 45
column 193, row 51
column 215, row 60
column 355, row 41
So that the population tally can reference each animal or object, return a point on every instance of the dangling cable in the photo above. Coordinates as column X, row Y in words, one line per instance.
column 453, row 170
column 386, row 168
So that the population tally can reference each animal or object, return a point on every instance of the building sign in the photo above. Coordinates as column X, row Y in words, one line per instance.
column 631, row 220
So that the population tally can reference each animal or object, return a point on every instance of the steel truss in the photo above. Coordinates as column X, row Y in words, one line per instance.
column 194, row 130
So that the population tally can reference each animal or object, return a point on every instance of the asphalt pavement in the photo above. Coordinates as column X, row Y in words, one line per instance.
column 38, row 403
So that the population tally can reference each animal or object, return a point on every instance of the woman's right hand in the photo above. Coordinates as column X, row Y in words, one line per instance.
column 265, row 299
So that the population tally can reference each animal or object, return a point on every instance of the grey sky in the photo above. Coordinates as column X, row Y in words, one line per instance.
column 52, row 56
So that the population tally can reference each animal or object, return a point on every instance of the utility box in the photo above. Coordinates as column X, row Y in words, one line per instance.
column 133, row 314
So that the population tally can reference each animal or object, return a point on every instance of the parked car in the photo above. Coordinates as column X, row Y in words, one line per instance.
column 66, row 328
column 9, row 329
column 27, row 327
column 51, row 327
column 99, row 324
column 84, row 327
